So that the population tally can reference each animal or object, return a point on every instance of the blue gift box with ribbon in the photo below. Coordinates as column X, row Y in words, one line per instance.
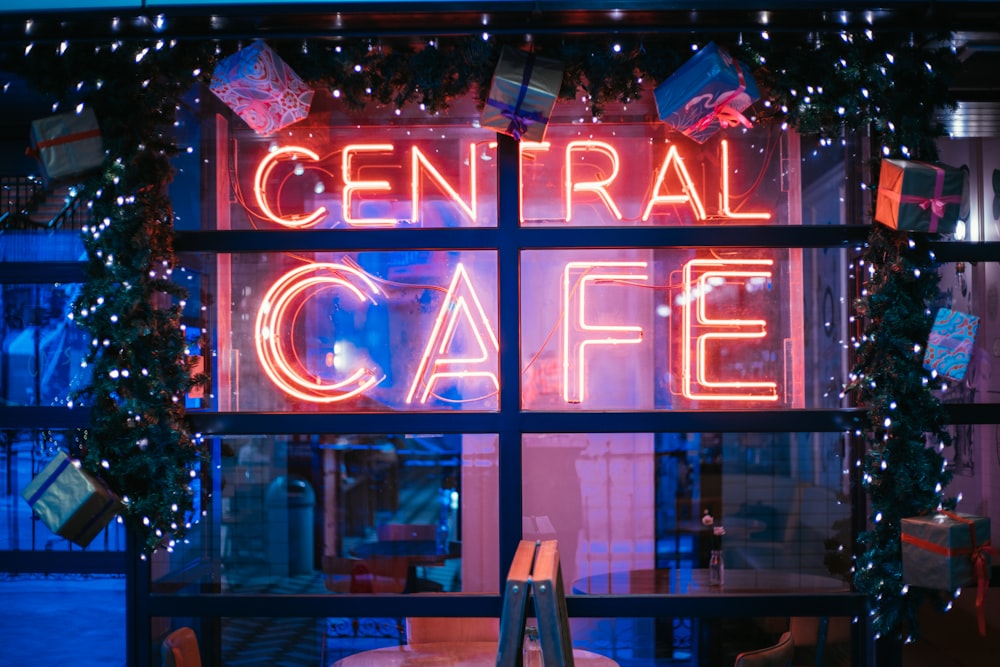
column 522, row 94
column 708, row 92
column 70, row 501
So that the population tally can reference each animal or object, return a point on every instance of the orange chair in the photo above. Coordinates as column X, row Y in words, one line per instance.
column 779, row 655
column 180, row 649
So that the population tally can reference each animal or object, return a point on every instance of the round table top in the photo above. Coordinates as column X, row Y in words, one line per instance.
column 453, row 654
column 668, row 581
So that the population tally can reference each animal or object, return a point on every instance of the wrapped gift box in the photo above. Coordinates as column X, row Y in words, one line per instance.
column 261, row 89
column 70, row 501
column 919, row 196
column 949, row 346
column 708, row 92
column 522, row 94
column 938, row 549
column 67, row 144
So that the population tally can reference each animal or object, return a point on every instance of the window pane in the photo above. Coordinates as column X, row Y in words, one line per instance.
column 643, row 329
column 367, row 331
column 43, row 350
column 630, row 503
column 346, row 514
column 333, row 171
column 628, row 171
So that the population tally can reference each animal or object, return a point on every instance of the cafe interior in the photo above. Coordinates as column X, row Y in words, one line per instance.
column 419, row 364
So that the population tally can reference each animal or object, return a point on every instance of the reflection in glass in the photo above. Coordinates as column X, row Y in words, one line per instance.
column 366, row 331
column 639, row 503
column 43, row 350
column 340, row 513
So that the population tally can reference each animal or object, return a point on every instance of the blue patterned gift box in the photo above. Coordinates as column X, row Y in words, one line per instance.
column 708, row 92
column 70, row 501
column 949, row 346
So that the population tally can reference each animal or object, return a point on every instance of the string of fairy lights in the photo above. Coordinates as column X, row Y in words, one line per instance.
column 822, row 84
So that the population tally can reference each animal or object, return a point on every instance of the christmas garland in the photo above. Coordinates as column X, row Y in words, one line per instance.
column 820, row 83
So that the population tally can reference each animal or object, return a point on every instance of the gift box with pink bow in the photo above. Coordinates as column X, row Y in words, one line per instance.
column 261, row 89
column 707, row 93
column 919, row 196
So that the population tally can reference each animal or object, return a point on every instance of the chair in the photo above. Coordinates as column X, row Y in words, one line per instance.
column 413, row 581
column 180, row 649
column 820, row 641
column 779, row 655
column 428, row 630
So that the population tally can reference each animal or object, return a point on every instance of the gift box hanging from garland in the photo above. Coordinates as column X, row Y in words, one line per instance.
column 919, row 196
column 522, row 94
column 72, row 502
column 949, row 346
column 67, row 144
column 707, row 93
column 261, row 89
column 946, row 551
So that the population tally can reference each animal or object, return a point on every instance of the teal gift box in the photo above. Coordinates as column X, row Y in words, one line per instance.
column 523, row 93
column 938, row 549
column 919, row 196
column 70, row 501
column 949, row 346
column 706, row 93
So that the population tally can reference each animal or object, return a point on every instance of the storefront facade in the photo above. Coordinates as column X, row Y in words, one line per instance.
column 598, row 337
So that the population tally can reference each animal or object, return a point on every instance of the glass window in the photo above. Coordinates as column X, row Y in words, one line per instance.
column 335, row 171
column 342, row 513
column 367, row 331
column 643, row 329
column 629, row 503
column 42, row 360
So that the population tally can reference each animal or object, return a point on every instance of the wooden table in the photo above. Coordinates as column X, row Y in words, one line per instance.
column 413, row 552
column 452, row 654
column 669, row 581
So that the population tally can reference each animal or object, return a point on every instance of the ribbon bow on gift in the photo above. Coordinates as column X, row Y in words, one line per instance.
column 518, row 117
column 726, row 115
column 978, row 554
column 935, row 202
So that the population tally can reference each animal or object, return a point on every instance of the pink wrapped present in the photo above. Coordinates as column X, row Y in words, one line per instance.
column 261, row 88
column 949, row 346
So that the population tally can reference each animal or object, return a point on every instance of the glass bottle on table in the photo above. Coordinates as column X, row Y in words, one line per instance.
column 532, row 647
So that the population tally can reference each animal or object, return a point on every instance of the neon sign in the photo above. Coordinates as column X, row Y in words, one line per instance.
column 277, row 318
column 578, row 278
column 598, row 305
column 434, row 365
column 459, row 347
column 590, row 169
column 697, row 385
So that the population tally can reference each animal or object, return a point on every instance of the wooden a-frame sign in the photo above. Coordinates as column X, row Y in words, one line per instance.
column 535, row 570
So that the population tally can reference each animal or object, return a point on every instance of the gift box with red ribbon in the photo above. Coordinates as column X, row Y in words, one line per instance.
column 946, row 551
column 949, row 346
column 707, row 93
column 69, row 500
column 67, row 144
column 919, row 196
column 522, row 94
column 261, row 89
